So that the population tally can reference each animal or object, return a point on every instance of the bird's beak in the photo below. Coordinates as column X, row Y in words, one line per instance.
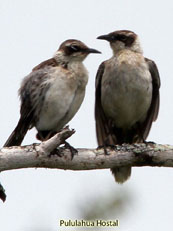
column 91, row 50
column 106, row 37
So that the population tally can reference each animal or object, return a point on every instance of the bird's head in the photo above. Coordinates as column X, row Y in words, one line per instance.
column 73, row 50
column 122, row 39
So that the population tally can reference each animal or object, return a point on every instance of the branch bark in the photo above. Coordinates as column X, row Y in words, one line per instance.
column 48, row 155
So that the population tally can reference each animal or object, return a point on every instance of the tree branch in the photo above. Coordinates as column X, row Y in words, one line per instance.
column 47, row 155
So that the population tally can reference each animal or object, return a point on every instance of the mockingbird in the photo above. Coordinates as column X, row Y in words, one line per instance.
column 52, row 93
column 127, row 95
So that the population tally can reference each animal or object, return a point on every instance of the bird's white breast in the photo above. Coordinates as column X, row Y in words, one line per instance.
column 126, row 89
column 63, row 98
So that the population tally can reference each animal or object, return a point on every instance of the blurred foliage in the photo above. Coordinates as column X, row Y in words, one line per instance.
column 108, row 206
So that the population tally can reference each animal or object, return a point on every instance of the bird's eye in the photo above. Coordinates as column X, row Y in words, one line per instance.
column 74, row 48
column 113, row 37
column 122, row 37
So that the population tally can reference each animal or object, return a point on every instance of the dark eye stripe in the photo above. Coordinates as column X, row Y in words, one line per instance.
column 128, row 40
column 70, row 49
column 74, row 48
column 122, row 37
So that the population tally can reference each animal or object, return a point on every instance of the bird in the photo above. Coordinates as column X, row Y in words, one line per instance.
column 126, row 95
column 52, row 93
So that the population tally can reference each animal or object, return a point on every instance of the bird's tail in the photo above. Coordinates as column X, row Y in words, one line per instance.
column 121, row 174
column 17, row 136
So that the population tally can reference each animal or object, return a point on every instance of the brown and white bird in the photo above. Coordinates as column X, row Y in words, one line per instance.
column 53, row 92
column 127, row 95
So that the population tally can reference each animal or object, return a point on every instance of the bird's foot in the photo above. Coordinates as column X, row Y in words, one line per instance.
column 73, row 150
column 112, row 147
column 149, row 143
column 57, row 152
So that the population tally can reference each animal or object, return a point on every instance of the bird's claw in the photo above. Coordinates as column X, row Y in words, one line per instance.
column 73, row 150
column 149, row 143
column 56, row 152
column 105, row 148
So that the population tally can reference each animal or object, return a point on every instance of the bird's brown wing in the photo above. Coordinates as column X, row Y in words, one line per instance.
column 25, row 121
column 154, row 107
column 103, row 125
column 32, row 94
column 49, row 62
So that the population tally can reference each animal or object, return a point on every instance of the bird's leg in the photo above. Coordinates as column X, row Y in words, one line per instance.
column 50, row 135
column 103, row 147
column 73, row 150
column 56, row 152
column 45, row 135
column 106, row 145
column 111, row 146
